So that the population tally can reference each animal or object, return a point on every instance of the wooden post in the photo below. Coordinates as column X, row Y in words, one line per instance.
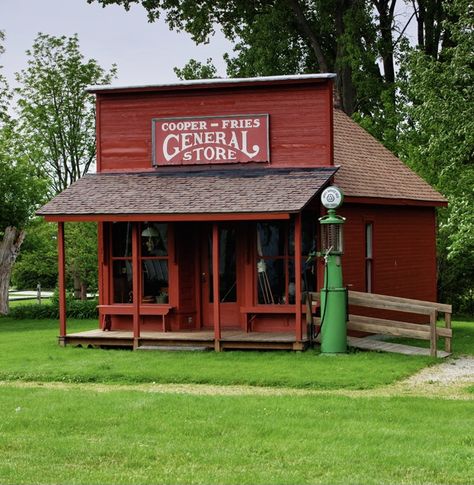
column 298, row 294
column 62, row 284
column 136, row 284
column 215, row 285
column 433, row 342
column 447, row 324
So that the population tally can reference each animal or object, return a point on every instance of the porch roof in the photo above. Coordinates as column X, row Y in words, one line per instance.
column 105, row 196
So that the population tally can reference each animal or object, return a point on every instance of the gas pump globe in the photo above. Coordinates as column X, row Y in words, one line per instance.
column 333, row 294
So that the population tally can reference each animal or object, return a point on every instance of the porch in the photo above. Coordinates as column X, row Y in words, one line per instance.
column 202, row 339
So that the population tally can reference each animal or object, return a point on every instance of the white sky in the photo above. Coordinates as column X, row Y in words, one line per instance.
column 144, row 52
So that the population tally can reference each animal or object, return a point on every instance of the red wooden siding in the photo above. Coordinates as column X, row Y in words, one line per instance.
column 299, row 136
column 404, row 253
column 404, row 250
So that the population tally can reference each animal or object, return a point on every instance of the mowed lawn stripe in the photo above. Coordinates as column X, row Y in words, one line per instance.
column 54, row 436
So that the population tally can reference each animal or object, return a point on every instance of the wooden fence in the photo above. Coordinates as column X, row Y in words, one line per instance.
column 396, row 328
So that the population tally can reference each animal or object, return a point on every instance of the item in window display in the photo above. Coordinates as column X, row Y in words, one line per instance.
column 154, row 239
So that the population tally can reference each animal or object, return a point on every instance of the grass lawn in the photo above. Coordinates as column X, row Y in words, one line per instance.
column 70, row 432
column 81, row 437
column 29, row 351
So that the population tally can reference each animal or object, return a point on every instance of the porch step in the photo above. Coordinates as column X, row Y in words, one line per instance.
column 173, row 348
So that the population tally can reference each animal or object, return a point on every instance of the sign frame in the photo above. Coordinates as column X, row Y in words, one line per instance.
column 156, row 164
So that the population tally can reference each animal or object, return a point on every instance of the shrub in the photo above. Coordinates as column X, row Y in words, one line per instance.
column 74, row 309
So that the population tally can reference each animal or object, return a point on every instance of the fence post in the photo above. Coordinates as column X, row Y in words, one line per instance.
column 447, row 324
column 433, row 343
column 38, row 293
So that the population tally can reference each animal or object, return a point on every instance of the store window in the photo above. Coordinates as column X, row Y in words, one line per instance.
column 275, row 263
column 276, row 260
column 153, row 256
column 154, row 262
column 122, row 267
column 227, row 266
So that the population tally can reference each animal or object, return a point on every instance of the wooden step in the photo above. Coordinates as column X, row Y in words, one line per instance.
column 173, row 348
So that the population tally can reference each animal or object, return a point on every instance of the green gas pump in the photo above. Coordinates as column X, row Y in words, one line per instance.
column 333, row 294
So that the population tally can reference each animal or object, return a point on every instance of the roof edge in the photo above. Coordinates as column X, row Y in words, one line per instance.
column 355, row 199
column 214, row 83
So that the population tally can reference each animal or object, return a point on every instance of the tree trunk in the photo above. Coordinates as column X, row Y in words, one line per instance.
column 77, row 286
column 83, row 291
column 9, row 250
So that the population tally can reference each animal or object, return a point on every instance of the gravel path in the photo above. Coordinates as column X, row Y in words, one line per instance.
column 453, row 371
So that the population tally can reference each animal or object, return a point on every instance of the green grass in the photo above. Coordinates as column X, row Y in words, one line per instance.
column 29, row 351
column 82, row 434
column 127, row 437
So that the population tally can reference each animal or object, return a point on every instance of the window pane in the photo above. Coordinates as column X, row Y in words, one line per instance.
column 123, row 282
column 270, row 239
column 154, row 239
column 155, row 281
column 309, row 232
column 271, row 281
column 122, row 239
column 368, row 240
column 227, row 266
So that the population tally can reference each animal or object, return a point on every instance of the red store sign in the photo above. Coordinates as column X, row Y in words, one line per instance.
column 211, row 139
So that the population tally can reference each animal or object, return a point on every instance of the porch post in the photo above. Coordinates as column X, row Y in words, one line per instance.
column 215, row 286
column 136, row 284
column 61, row 283
column 298, row 296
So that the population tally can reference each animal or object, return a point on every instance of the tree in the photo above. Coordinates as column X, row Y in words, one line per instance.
column 21, row 190
column 56, row 114
column 38, row 260
column 196, row 70
column 81, row 257
column 437, row 141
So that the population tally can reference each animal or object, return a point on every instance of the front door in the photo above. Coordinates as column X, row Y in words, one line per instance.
column 228, row 290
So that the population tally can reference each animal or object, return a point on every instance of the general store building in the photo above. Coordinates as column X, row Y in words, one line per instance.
column 206, row 198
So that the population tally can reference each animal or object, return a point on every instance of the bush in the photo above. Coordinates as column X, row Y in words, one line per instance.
column 74, row 309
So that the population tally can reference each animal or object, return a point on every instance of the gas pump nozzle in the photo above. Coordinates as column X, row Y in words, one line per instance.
column 326, row 254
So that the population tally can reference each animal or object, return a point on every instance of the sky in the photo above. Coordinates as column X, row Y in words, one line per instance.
column 144, row 53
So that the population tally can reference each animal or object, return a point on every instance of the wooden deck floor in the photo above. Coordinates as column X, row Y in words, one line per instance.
column 230, row 339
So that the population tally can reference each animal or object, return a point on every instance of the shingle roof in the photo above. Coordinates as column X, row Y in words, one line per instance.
column 210, row 192
column 368, row 169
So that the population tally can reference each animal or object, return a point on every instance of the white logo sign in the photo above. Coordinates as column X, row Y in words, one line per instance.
column 332, row 197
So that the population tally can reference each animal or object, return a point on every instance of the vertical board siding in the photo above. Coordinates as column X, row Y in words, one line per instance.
column 300, row 116
column 404, row 250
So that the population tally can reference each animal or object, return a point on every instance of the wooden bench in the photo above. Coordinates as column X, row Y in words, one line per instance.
column 251, row 312
column 396, row 328
column 106, row 311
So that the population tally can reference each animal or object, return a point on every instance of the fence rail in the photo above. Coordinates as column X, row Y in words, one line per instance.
column 398, row 327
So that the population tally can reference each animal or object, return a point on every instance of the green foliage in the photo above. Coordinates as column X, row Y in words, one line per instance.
column 81, row 309
column 196, row 70
column 38, row 261
column 81, row 254
column 5, row 93
column 437, row 141
column 21, row 188
column 57, row 115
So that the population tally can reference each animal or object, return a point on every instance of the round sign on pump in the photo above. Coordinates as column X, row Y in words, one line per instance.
column 332, row 197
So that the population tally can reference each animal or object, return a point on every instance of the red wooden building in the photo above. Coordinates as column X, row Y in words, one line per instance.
column 206, row 198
